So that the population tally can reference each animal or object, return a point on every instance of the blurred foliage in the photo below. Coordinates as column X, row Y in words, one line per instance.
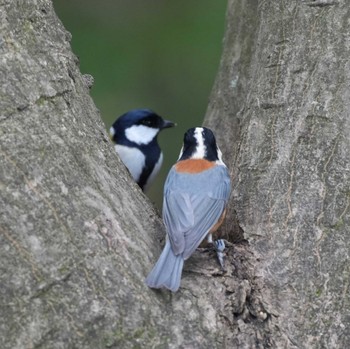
column 161, row 55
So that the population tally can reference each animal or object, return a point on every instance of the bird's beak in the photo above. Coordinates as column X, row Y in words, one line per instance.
column 167, row 124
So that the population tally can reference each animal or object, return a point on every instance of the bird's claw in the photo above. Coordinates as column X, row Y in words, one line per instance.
column 220, row 247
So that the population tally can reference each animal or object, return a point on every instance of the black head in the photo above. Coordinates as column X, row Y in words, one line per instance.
column 200, row 143
column 143, row 126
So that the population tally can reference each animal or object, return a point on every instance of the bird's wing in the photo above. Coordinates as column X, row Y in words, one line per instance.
column 190, row 214
column 207, row 212
column 178, row 218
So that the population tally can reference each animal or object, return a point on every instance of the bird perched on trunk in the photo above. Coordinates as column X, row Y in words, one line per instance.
column 196, row 192
column 135, row 137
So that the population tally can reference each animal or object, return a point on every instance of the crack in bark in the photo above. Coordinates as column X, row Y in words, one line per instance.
column 321, row 3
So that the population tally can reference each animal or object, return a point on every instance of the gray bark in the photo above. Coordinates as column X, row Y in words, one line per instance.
column 281, row 107
column 77, row 237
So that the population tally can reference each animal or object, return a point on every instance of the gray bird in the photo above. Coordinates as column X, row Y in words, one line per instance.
column 196, row 192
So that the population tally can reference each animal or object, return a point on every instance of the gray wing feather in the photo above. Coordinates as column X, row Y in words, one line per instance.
column 207, row 211
column 178, row 218
column 192, row 206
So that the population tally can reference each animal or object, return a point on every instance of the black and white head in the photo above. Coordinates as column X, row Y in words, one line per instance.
column 138, row 126
column 200, row 143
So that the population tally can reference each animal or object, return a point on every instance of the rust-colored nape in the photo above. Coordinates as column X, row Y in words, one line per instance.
column 194, row 165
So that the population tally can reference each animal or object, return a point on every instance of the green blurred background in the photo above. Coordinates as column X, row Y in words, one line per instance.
column 161, row 55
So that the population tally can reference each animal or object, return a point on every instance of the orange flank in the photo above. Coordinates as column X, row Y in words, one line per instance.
column 214, row 230
column 194, row 165
column 218, row 223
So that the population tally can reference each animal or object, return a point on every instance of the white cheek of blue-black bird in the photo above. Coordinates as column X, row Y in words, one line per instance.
column 196, row 193
column 133, row 158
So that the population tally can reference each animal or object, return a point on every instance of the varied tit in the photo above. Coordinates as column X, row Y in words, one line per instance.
column 196, row 192
column 135, row 137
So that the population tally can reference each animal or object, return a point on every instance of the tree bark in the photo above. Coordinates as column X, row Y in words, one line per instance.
column 77, row 237
column 281, row 109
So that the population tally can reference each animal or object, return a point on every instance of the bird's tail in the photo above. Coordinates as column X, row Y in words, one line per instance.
column 167, row 271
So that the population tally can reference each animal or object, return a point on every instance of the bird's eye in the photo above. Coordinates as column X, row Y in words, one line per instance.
column 146, row 122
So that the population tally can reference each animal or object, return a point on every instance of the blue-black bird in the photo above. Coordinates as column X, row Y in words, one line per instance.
column 135, row 137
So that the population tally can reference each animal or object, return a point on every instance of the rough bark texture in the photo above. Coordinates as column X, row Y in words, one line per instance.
column 77, row 237
column 281, row 109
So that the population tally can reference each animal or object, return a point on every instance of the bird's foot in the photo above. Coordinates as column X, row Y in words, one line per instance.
column 219, row 248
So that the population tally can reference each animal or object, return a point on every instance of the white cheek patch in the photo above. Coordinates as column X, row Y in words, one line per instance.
column 133, row 159
column 201, row 149
column 219, row 161
column 181, row 152
column 112, row 132
column 141, row 134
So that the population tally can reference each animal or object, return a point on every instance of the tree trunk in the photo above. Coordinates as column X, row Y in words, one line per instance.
column 77, row 237
column 281, row 109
